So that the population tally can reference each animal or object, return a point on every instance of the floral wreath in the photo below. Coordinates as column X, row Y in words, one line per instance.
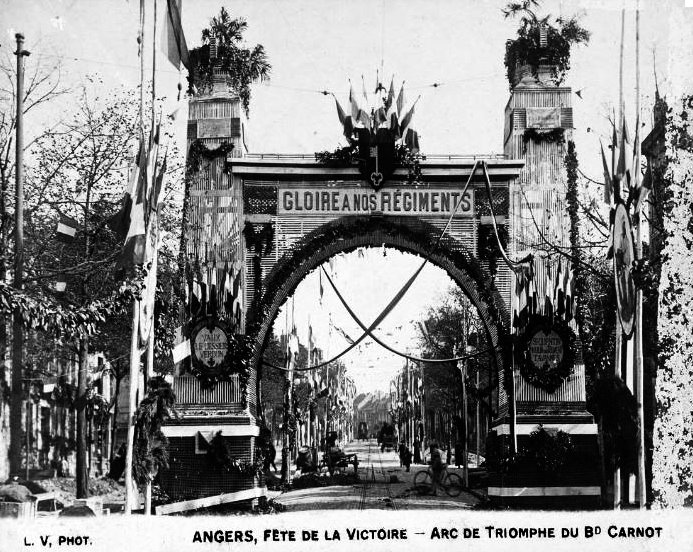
column 546, row 377
column 235, row 360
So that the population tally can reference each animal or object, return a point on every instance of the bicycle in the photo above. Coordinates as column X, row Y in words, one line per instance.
column 450, row 482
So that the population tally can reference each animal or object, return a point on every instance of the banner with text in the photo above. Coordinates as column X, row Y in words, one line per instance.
column 362, row 201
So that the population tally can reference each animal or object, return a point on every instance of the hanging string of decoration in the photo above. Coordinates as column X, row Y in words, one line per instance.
column 383, row 344
column 342, row 230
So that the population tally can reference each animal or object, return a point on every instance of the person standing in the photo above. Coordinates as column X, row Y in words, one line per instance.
column 437, row 466
column 417, row 452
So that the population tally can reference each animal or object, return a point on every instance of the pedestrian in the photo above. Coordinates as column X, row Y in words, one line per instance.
column 437, row 467
column 417, row 452
column 404, row 456
column 271, row 455
column 459, row 453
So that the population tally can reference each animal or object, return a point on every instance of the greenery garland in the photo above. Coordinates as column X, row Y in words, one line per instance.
column 150, row 452
column 352, row 227
column 545, row 377
column 341, row 157
column 553, row 136
column 199, row 151
column 348, row 156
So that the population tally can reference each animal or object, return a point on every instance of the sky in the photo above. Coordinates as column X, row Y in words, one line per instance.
column 320, row 45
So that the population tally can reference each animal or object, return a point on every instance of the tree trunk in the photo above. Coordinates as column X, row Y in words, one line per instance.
column 82, row 475
column 116, row 398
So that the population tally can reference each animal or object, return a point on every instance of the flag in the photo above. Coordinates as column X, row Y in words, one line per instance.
column 390, row 100
column 608, row 184
column 135, row 207
column 67, row 229
column 645, row 188
column 237, row 294
column 212, row 282
column 181, row 351
column 173, row 38
column 355, row 109
column 569, row 307
column 559, row 291
column 392, row 116
column 311, row 344
column 400, row 100
column 406, row 120
column 411, row 140
column 515, row 303
column 358, row 115
column 322, row 290
column 293, row 345
column 344, row 119
column 204, row 291
column 548, row 290
column 155, row 197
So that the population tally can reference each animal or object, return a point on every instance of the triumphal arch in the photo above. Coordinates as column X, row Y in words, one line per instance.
column 256, row 224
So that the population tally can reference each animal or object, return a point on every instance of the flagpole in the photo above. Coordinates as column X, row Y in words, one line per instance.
column 639, row 376
column 134, row 345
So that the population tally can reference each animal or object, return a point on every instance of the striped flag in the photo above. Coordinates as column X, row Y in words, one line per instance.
column 406, row 120
column 608, row 184
column 411, row 140
column 344, row 119
column 237, row 294
column 548, row 293
column 569, row 297
column 559, row 290
column 173, row 38
column 181, row 351
column 136, row 209
column 67, row 229
column 212, row 280
column 400, row 100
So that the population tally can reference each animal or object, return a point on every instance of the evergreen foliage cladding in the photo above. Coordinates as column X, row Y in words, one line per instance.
column 242, row 65
column 673, row 434
column 561, row 34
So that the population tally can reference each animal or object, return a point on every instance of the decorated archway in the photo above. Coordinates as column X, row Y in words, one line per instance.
column 408, row 235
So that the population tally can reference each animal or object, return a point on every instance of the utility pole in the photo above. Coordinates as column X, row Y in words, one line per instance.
column 17, row 328
column 639, row 393
column 131, row 493
column 288, row 407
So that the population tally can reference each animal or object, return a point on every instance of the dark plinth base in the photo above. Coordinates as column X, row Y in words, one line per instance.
column 577, row 486
column 194, row 474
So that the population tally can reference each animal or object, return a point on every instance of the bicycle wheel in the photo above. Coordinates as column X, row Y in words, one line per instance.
column 423, row 480
column 453, row 484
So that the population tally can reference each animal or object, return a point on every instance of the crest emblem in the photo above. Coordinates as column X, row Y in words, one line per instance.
column 376, row 155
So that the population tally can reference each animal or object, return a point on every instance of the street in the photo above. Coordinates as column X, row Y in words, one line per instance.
column 383, row 485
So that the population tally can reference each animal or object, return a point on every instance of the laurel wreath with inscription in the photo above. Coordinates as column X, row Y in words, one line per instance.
column 550, row 374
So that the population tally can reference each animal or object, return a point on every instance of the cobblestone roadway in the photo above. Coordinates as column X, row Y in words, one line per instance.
column 374, row 491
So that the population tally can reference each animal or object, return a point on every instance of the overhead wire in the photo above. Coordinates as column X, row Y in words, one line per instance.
column 404, row 288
